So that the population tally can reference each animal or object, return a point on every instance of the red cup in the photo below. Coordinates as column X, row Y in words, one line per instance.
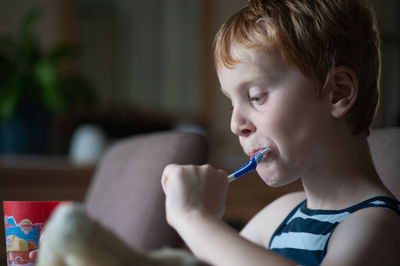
column 24, row 221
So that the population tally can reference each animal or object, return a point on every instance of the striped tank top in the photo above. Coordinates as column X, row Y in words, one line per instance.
column 304, row 234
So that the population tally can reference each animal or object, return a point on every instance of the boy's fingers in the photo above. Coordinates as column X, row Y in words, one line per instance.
column 165, row 175
column 33, row 254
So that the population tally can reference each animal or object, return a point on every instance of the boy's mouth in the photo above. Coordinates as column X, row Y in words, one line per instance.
column 255, row 151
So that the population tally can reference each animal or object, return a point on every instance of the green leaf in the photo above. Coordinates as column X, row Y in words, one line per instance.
column 28, row 51
column 29, row 73
column 46, row 76
column 9, row 97
column 28, row 47
column 7, row 107
column 29, row 20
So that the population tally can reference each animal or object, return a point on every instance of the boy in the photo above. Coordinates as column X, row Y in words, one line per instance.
column 303, row 79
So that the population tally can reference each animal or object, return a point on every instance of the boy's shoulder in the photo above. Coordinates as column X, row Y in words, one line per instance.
column 375, row 238
column 262, row 226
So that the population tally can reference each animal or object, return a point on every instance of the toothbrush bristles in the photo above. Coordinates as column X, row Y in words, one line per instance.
column 259, row 156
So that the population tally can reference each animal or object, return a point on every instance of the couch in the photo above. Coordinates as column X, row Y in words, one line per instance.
column 126, row 195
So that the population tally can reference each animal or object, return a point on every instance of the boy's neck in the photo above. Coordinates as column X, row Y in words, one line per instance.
column 346, row 178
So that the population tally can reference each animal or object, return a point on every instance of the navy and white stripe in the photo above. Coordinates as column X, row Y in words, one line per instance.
column 303, row 236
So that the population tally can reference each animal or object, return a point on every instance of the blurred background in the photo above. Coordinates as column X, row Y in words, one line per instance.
column 143, row 66
column 125, row 67
column 78, row 75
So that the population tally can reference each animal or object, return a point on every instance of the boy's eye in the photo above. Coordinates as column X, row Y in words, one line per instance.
column 258, row 98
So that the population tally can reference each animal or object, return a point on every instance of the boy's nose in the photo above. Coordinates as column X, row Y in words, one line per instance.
column 240, row 125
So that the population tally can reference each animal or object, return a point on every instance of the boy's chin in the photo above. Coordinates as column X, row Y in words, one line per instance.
column 274, row 180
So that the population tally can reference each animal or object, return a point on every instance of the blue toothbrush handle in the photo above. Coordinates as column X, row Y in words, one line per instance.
column 250, row 166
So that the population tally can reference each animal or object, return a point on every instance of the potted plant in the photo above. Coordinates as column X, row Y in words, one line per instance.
column 32, row 88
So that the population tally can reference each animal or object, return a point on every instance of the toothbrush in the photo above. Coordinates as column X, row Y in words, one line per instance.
column 250, row 166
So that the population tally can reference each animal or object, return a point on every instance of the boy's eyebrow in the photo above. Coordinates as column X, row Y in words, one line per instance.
column 244, row 84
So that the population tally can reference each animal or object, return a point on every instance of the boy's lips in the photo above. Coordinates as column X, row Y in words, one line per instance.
column 255, row 151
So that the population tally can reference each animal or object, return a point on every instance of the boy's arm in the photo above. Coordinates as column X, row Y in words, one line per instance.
column 367, row 237
column 215, row 242
column 195, row 200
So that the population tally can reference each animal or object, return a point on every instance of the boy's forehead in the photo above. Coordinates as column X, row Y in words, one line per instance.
column 257, row 60
column 263, row 68
column 242, row 54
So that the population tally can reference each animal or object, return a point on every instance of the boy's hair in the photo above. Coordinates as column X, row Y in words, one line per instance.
column 315, row 36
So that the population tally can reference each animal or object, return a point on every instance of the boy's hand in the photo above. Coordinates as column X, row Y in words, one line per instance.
column 34, row 254
column 191, row 188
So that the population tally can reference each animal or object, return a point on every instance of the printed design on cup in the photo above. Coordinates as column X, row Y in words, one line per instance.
column 26, row 226
column 21, row 238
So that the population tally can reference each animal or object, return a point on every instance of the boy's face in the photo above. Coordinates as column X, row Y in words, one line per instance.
column 275, row 106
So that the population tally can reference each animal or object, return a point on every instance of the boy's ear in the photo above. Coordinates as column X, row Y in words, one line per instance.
column 344, row 91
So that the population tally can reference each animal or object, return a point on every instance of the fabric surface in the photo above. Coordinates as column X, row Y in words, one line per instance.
column 303, row 236
column 126, row 194
column 385, row 149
